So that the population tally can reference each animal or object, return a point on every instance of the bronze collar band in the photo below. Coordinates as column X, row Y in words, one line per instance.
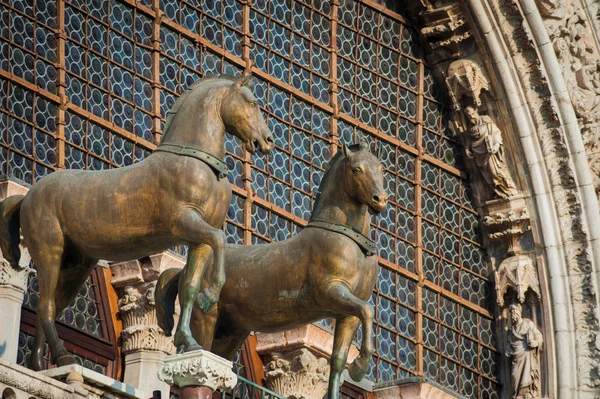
column 365, row 243
column 218, row 166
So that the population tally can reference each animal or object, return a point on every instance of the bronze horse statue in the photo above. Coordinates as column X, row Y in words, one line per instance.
column 328, row 270
column 179, row 195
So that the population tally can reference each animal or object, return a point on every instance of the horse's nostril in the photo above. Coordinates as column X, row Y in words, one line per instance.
column 269, row 139
column 380, row 198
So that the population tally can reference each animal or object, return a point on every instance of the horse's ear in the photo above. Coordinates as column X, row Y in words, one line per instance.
column 379, row 150
column 363, row 145
column 345, row 150
column 245, row 81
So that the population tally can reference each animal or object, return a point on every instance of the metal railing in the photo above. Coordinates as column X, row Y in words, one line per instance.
column 246, row 389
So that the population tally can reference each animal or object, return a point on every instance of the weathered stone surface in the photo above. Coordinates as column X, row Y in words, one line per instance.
column 198, row 369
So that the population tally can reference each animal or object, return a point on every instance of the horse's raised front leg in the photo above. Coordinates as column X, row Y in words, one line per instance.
column 345, row 302
column 345, row 328
column 190, row 226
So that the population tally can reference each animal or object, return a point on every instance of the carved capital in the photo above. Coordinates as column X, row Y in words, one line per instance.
column 140, row 326
column 298, row 374
column 198, row 368
column 16, row 278
column 137, row 280
column 296, row 361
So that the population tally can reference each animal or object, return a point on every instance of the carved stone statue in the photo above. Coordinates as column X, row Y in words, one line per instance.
column 179, row 195
column 327, row 270
column 488, row 152
column 524, row 345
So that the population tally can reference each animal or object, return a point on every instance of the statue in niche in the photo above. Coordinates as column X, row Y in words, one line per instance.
column 524, row 345
column 488, row 152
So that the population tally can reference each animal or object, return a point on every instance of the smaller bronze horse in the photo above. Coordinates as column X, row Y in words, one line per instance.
column 179, row 195
column 327, row 270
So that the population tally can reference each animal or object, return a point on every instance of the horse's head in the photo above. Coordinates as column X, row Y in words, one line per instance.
column 362, row 178
column 242, row 117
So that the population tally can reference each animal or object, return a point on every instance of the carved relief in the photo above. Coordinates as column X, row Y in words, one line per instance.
column 298, row 374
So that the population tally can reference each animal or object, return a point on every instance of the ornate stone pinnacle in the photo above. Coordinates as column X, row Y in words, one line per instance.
column 198, row 368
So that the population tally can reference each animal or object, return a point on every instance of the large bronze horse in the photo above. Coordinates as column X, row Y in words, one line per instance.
column 179, row 195
column 326, row 271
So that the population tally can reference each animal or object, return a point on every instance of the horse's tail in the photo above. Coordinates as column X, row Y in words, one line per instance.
column 10, row 226
column 164, row 295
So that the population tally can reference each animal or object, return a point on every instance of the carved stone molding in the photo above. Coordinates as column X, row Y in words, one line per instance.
column 298, row 374
column 198, row 368
column 33, row 384
column 518, row 273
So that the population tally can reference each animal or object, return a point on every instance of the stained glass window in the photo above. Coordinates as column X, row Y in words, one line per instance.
column 326, row 73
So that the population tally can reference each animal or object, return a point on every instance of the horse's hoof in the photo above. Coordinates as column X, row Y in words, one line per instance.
column 64, row 359
column 356, row 372
column 37, row 364
column 185, row 343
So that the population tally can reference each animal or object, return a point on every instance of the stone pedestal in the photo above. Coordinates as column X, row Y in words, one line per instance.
column 198, row 374
column 297, row 361
column 144, row 344
column 13, row 283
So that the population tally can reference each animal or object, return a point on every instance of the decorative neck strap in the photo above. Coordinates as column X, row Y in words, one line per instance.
column 218, row 166
column 365, row 243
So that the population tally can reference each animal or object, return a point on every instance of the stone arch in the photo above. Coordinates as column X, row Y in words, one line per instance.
column 515, row 43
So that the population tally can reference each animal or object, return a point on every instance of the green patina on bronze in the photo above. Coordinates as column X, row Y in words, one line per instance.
column 319, row 273
column 71, row 219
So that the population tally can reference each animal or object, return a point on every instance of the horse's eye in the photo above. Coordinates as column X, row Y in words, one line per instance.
column 357, row 171
column 253, row 104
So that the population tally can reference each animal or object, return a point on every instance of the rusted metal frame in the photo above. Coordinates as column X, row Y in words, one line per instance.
column 384, row 10
column 111, row 127
column 418, row 217
column 376, row 72
column 28, row 85
column 246, row 46
column 456, row 298
column 374, row 132
column 26, row 156
column 290, row 89
column 155, row 83
column 61, row 84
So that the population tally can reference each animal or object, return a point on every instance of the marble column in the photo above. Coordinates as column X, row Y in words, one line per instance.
column 145, row 346
column 13, row 283
column 297, row 361
column 198, row 374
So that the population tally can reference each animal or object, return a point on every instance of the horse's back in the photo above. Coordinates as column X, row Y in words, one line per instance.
column 94, row 210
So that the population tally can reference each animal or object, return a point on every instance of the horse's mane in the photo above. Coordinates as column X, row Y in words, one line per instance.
column 197, row 84
column 333, row 163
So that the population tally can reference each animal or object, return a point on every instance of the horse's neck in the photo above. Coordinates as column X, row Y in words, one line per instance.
column 336, row 207
column 202, row 130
